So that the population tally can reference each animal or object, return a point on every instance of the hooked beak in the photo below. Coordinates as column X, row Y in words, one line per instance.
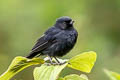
column 72, row 22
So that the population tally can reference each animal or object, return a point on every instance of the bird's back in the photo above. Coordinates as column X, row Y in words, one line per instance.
column 65, row 41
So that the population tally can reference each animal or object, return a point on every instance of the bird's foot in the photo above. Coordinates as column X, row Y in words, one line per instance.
column 49, row 64
column 61, row 63
column 55, row 61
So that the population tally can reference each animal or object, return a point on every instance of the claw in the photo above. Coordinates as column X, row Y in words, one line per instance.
column 57, row 62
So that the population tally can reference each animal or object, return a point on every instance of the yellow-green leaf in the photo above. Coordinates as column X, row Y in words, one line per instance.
column 46, row 72
column 18, row 64
column 60, row 78
column 112, row 75
column 84, row 76
column 73, row 77
column 83, row 62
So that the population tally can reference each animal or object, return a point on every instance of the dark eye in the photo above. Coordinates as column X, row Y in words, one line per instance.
column 64, row 23
column 68, row 21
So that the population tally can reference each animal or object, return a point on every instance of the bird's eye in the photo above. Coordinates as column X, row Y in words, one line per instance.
column 64, row 22
column 68, row 21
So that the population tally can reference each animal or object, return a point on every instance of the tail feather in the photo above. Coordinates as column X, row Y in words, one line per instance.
column 31, row 55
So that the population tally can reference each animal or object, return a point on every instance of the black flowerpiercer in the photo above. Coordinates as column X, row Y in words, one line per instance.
column 57, row 40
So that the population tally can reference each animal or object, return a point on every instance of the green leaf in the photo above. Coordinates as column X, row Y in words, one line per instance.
column 112, row 75
column 84, row 76
column 83, row 62
column 60, row 78
column 46, row 72
column 74, row 77
column 18, row 64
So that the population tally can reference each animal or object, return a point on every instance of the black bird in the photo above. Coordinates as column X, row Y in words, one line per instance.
column 57, row 40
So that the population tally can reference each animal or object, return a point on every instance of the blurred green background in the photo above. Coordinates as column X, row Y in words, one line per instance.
column 22, row 22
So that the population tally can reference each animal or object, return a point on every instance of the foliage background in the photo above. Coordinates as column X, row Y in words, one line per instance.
column 22, row 22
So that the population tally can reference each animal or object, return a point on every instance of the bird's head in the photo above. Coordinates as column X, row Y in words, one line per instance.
column 64, row 22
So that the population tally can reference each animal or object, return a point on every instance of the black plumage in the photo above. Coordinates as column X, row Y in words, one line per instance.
column 57, row 40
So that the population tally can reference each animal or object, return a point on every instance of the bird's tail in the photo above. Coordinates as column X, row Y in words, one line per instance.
column 31, row 55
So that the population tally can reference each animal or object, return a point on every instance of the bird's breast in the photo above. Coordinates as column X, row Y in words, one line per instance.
column 65, row 44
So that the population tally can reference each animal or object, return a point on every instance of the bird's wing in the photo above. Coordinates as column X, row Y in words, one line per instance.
column 42, row 44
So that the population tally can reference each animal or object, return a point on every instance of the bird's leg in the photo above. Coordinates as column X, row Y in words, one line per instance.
column 50, row 59
column 51, row 62
column 58, row 62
